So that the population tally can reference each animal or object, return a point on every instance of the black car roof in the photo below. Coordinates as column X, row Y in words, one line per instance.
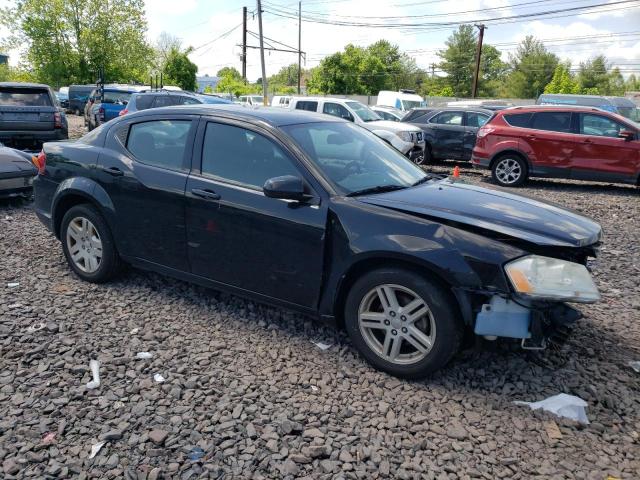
column 463, row 109
column 274, row 116
column 23, row 85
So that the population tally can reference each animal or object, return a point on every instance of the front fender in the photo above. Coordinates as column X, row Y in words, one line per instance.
column 395, row 141
column 67, row 195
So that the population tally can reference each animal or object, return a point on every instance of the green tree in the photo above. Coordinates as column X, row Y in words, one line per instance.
column 562, row 81
column 179, row 70
column 458, row 63
column 229, row 72
column 532, row 68
column 593, row 76
column 69, row 41
column 632, row 84
column 231, row 82
column 616, row 82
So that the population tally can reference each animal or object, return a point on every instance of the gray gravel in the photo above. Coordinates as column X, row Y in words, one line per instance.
column 248, row 395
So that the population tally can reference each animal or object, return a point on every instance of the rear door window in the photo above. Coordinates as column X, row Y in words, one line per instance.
column 518, row 119
column 25, row 97
column 161, row 143
column 119, row 98
column 144, row 101
column 307, row 105
column 448, row 118
column 189, row 101
column 599, row 126
column 476, row 119
column 552, row 121
column 166, row 101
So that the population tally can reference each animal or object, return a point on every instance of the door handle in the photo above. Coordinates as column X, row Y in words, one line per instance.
column 206, row 194
column 588, row 140
column 531, row 137
column 115, row 171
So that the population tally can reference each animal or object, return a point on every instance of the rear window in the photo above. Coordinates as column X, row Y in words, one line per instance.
column 116, row 97
column 143, row 102
column 518, row 119
column 306, row 105
column 552, row 121
column 25, row 97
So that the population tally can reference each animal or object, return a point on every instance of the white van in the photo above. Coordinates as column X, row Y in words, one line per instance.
column 252, row 100
column 281, row 101
column 403, row 100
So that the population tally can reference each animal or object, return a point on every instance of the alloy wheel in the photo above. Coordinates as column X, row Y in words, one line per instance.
column 397, row 324
column 508, row 171
column 84, row 244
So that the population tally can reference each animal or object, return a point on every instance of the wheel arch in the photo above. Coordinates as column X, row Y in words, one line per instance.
column 76, row 191
column 510, row 151
column 365, row 265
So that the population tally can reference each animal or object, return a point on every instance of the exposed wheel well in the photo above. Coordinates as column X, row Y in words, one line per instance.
column 365, row 266
column 64, row 205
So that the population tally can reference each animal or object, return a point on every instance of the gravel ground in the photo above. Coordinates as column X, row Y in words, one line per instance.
column 248, row 395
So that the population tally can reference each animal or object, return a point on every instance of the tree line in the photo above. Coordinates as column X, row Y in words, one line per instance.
column 531, row 70
column 64, row 42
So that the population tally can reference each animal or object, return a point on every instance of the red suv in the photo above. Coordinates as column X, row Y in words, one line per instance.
column 580, row 143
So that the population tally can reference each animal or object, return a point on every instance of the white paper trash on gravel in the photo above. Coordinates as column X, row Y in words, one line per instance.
column 95, row 448
column 158, row 378
column 635, row 365
column 143, row 355
column 563, row 405
column 322, row 345
column 94, row 365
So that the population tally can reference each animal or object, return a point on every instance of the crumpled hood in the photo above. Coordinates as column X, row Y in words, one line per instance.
column 515, row 216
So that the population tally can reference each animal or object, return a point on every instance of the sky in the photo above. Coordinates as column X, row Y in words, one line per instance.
column 612, row 28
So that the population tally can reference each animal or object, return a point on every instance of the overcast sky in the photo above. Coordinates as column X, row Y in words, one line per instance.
column 575, row 35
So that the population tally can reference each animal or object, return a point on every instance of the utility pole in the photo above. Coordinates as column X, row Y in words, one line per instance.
column 433, row 69
column 264, row 73
column 476, row 76
column 299, row 44
column 244, row 44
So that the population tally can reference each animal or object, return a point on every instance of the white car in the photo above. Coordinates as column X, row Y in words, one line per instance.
column 406, row 138
column 281, row 101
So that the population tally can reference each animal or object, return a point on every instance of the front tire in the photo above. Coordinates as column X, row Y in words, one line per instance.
column 509, row 170
column 402, row 323
column 88, row 244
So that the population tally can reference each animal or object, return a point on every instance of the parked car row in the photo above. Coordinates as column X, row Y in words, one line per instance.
column 313, row 213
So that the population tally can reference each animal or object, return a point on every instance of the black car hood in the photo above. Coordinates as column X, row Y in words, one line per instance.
column 515, row 216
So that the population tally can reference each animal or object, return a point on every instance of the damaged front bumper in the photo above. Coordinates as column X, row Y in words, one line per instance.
column 535, row 323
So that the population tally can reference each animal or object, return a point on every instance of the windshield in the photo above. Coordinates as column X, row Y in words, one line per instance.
column 629, row 112
column 257, row 99
column 409, row 104
column 364, row 112
column 353, row 158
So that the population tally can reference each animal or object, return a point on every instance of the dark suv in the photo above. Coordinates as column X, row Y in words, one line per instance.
column 450, row 133
column 167, row 98
column 579, row 143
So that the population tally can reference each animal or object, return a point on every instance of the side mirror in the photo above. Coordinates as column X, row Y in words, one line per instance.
column 628, row 135
column 288, row 187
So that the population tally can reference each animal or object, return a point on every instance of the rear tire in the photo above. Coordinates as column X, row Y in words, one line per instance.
column 88, row 244
column 402, row 323
column 509, row 170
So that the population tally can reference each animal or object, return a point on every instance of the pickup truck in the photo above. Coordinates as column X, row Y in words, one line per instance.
column 30, row 115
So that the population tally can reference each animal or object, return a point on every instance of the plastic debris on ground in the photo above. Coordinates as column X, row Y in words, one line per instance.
column 13, row 284
column 35, row 327
column 143, row 355
column 635, row 365
column 314, row 388
column 94, row 365
column 95, row 448
column 134, row 331
column 158, row 378
column 322, row 345
column 562, row 405
column 196, row 454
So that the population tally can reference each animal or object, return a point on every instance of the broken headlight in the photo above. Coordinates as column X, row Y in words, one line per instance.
column 535, row 276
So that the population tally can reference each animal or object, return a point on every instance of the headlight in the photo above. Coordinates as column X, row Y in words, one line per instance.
column 550, row 278
column 406, row 136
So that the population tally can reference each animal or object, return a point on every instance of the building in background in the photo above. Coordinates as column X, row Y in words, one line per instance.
column 4, row 59
column 207, row 81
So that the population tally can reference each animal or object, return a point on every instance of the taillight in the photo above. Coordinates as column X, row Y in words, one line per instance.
column 484, row 131
column 40, row 161
column 123, row 112
column 57, row 120
column 101, row 113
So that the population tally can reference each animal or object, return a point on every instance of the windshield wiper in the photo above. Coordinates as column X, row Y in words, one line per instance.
column 376, row 189
column 424, row 179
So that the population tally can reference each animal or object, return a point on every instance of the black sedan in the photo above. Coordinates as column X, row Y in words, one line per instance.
column 450, row 133
column 316, row 214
